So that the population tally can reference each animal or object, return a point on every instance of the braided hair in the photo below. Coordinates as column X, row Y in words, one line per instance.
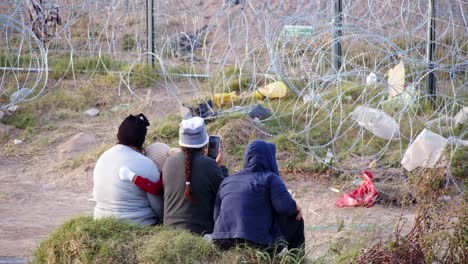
column 188, row 173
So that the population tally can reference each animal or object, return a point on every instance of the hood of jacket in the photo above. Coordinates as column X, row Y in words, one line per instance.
column 260, row 156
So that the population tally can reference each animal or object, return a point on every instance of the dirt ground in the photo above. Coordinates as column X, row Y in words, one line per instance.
column 38, row 191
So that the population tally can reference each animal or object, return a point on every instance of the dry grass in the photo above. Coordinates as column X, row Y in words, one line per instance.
column 439, row 233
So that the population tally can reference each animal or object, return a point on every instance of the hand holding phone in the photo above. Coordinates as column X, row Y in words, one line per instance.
column 214, row 144
column 220, row 157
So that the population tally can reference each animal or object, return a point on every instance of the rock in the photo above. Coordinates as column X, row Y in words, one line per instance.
column 92, row 112
column 79, row 143
column 12, row 108
column 17, row 141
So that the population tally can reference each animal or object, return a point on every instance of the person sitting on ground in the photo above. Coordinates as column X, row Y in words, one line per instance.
column 254, row 206
column 158, row 153
column 191, row 180
column 124, row 200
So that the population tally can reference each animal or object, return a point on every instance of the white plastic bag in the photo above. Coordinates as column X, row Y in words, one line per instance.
column 444, row 120
column 425, row 151
column 371, row 79
column 441, row 121
column 462, row 116
column 377, row 122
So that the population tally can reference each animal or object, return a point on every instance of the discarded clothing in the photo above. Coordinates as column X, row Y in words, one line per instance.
column 205, row 109
column 364, row 195
column 44, row 16
column 260, row 112
column 185, row 43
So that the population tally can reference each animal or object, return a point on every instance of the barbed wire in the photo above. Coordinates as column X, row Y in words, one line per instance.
column 243, row 45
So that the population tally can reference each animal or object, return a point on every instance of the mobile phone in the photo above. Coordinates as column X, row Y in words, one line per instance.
column 213, row 146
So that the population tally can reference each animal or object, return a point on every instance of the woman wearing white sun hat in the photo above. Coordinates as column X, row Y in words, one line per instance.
column 191, row 180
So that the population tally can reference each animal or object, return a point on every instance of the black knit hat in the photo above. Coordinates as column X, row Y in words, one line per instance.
column 133, row 130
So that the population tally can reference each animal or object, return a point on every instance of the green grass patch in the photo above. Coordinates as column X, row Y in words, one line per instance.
column 459, row 164
column 67, row 66
column 165, row 131
column 13, row 60
column 84, row 240
column 22, row 119
column 56, row 104
column 231, row 79
column 141, row 75
column 128, row 42
column 236, row 131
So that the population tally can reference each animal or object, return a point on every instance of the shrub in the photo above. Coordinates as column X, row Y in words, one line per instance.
column 128, row 42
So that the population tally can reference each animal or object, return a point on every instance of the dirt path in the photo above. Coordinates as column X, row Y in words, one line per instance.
column 30, row 210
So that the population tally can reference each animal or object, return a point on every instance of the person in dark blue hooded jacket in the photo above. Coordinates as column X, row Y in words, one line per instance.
column 254, row 206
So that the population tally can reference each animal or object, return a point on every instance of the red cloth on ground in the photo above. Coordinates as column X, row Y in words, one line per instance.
column 364, row 195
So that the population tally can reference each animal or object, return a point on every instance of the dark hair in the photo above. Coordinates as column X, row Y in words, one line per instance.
column 188, row 172
column 132, row 131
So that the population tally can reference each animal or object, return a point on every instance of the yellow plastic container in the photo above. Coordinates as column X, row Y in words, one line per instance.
column 272, row 91
column 220, row 99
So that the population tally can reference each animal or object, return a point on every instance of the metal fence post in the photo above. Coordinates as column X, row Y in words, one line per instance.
column 338, row 16
column 150, row 31
column 431, row 82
